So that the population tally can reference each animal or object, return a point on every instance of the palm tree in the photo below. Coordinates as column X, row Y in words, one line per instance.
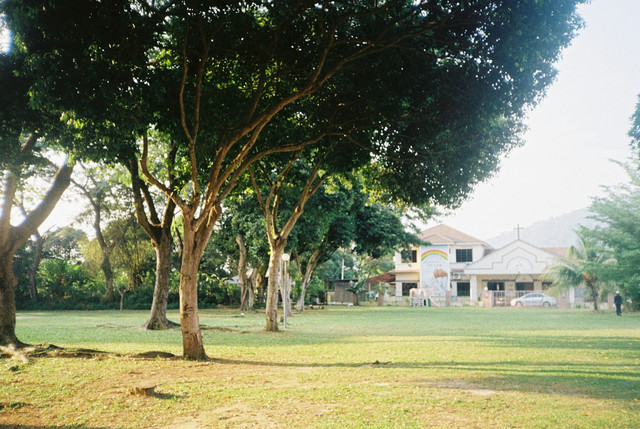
column 581, row 268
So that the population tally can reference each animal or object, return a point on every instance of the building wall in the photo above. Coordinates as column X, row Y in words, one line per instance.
column 409, row 272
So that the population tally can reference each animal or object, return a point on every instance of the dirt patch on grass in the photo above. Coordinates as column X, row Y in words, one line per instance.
column 249, row 416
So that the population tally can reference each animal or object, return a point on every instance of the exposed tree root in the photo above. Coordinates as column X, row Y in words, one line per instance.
column 50, row 350
column 160, row 325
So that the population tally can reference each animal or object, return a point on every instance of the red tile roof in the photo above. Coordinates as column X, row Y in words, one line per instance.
column 382, row 278
column 443, row 234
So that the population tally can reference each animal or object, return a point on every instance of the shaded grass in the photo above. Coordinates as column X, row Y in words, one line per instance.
column 339, row 367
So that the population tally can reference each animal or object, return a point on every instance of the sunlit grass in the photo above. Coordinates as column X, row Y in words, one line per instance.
column 338, row 367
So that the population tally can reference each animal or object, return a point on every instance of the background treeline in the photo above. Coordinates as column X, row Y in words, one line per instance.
column 68, row 276
column 345, row 234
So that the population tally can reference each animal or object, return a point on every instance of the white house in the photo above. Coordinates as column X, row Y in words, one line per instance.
column 439, row 266
column 517, row 267
column 456, row 267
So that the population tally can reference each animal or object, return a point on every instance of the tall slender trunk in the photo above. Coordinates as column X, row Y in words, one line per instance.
column 7, row 301
column 278, row 236
column 272, row 287
column 158, row 315
column 595, row 296
column 107, row 270
column 307, row 274
column 33, row 271
column 159, row 231
column 303, row 291
column 192, row 345
column 122, row 293
column 245, row 287
column 11, row 238
column 194, row 243
column 254, row 280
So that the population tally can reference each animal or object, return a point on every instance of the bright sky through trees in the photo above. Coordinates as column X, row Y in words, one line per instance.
column 4, row 36
column 573, row 133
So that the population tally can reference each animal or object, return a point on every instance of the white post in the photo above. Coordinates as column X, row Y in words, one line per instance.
column 474, row 289
column 285, row 288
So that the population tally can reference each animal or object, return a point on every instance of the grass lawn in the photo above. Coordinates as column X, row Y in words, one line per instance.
column 340, row 367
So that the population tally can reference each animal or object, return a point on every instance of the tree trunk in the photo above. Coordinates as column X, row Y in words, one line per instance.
column 122, row 293
column 159, row 231
column 310, row 269
column 11, row 238
column 245, row 286
column 278, row 239
column 7, row 302
column 300, row 303
column 272, row 287
column 109, row 295
column 303, row 291
column 158, row 314
column 254, row 280
column 594, row 294
column 194, row 244
column 33, row 271
column 306, row 279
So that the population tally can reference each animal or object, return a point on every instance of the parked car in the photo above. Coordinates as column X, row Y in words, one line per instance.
column 534, row 298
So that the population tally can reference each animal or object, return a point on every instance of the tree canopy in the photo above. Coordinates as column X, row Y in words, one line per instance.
column 583, row 267
column 429, row 93
column 618, row 232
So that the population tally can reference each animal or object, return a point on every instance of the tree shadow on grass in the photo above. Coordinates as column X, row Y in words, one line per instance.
column 513, row 340
column 618, row 381
column 594, row 380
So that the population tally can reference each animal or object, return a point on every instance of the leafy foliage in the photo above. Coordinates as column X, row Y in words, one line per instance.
column 618, row 214
column 583, row 267
column 429, row 94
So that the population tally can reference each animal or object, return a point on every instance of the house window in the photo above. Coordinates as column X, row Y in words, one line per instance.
column 524, row 286
column 409, row 256
column 464, row 255
column 464, row 289
column 406, row 287
column 495, row 285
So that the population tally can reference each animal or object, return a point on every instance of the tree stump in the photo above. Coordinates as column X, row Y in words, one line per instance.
column 143, row 389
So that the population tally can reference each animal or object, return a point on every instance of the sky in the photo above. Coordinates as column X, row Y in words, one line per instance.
column 573, row 134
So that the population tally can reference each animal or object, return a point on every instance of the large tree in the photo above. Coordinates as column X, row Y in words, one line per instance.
column 242, row 236
column 435, row 91
column 286, row 193
column 344, row 217
column 583, row 266
column 25, row 134
column 618, row 232
column 155, row 214
column 107, row 201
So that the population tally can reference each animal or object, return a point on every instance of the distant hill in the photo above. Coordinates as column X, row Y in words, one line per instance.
column 555, row 232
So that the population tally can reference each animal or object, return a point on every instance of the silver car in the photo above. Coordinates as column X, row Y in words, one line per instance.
column 534, row 299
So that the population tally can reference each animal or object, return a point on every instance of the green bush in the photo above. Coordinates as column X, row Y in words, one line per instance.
column 62, row 286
